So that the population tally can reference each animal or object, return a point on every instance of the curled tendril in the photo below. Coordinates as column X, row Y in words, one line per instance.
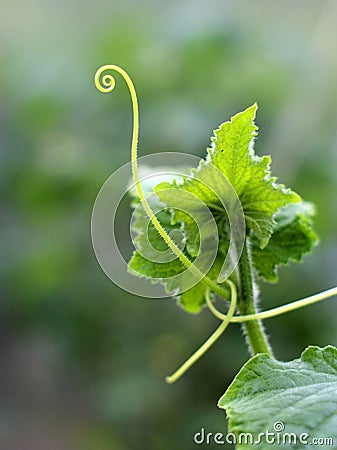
column 106, row 83
column 230, row 318
column 278, row 311
column 109, row 85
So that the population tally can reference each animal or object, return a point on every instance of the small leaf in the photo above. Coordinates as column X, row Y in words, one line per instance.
column 292, row 238
column 260, row 195
column 301, row 395
column 204, row 201
column 232, row 160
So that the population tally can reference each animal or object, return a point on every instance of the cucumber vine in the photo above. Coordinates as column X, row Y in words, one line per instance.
column 278, row 229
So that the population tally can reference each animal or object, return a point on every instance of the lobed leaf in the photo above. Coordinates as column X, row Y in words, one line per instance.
column 279, row 232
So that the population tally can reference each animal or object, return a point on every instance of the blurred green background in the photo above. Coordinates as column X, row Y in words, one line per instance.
column 82, row 362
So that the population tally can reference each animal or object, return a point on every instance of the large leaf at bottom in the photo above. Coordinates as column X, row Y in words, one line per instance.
column 301, row 395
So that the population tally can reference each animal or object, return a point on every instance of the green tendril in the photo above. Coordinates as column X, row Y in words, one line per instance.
column 274, row 312
column 106, row 83
column 230, row 318
column 210, row 341
column 292, row 306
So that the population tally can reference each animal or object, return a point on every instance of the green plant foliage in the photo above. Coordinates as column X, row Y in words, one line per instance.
column 231, row 164
column 233, row 155
column 301, row 395
column 192, row 299
column 292, row 237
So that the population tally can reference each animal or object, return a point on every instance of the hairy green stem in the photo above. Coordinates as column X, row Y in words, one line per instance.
column 254, row 331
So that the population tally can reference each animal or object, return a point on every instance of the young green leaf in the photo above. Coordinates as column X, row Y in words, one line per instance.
column 231, row 175
column 293, row 397
column 232, row 155
column 260, row 195
column 292, row 238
